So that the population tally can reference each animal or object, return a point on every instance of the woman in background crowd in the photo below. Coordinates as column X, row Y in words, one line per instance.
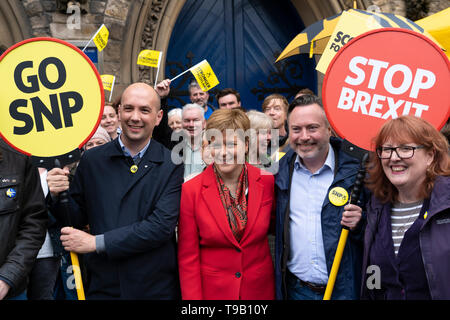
column 260, row 136
column 110, row 121
column 174, row 119
column 100, row 137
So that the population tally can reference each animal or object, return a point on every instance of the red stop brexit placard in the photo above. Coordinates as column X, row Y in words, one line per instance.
column 381, row 75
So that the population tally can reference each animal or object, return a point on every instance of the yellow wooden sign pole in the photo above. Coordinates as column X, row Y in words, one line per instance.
column 77, row 275
column 359, row 181
column 64, row 200
column 336, row 264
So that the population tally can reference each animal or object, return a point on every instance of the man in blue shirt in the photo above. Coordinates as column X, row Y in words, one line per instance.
column 128, row 191
column 308, row 225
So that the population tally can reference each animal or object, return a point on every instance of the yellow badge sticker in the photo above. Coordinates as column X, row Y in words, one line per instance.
column 134, row 168
column 338, row 196
column 425, row 215
column 51, row 97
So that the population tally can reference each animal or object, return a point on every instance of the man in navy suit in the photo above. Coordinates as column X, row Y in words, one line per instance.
column 128, row 191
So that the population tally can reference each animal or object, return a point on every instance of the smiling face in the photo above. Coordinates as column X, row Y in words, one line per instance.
column 139, row 113
column 229, row 152
column 277, row 111
column 95, row 142
column 193, row 122
column 174, row 122
column 407, row 175
column 229, row 101
column 110, row 120
column 198, row 96
column 309, row 135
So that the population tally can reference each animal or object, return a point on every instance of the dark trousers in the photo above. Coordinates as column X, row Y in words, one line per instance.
column 42, row 279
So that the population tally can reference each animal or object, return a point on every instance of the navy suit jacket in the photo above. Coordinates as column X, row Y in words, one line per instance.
column 137, row 213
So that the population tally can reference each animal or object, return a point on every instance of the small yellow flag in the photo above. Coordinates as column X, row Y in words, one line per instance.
column 150, row 58
column 204, row 75
column 108, row 81
column 101, row 37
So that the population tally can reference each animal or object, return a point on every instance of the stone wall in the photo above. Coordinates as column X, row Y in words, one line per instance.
column 438, row 5
column 47, row 20
column 135, row 24
column 399, row 6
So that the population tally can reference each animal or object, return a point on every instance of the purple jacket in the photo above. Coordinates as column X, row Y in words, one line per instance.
column 434, row 240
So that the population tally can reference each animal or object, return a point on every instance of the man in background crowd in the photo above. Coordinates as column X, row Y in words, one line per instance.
column 228, row 99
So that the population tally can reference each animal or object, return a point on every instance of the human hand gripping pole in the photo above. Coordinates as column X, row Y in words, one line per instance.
column 354, row 197
column 64, row 201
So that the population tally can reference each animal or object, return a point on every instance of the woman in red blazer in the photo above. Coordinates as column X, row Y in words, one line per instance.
column 225, row 213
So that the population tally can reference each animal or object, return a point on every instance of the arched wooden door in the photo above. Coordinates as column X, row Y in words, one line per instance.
column 241, row 40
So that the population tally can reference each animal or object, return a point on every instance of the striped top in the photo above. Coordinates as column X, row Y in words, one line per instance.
column 403, row 216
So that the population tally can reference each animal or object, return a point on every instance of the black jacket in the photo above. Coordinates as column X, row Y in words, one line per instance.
column 137, row 214
column 23, row 218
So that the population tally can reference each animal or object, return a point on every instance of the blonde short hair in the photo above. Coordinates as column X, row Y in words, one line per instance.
column 259, row 120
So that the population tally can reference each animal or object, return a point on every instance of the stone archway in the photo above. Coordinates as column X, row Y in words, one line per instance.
column 14, row 24
column 150, row 24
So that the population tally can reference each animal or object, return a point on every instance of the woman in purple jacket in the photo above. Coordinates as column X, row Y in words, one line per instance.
column 407, row 239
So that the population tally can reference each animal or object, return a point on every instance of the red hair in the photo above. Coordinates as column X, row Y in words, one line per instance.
column 407, row 129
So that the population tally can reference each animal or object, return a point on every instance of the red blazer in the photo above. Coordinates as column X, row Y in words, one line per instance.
column 212, row 264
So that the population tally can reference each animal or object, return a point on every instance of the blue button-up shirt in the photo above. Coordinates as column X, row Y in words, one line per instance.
column 127, row 152
column 308, row 191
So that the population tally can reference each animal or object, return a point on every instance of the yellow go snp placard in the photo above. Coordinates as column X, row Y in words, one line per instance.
column 51, row 97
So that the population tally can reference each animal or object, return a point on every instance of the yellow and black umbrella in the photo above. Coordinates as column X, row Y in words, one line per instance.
column 314, row 38
column 438, row 25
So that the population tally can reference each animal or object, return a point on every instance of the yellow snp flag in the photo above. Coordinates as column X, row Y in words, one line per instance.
column 150, row 58
column 101, row 37
column 204, row 75
column 108, row 81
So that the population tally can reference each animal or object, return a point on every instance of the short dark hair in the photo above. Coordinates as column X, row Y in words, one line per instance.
column 304, row 100
column 305, row 90
column 227, row 91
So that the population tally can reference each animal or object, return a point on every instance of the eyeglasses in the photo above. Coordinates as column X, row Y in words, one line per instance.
column 403, row 152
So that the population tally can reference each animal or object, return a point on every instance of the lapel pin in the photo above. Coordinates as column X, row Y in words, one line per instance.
column 11, row 193
column 134, row 168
